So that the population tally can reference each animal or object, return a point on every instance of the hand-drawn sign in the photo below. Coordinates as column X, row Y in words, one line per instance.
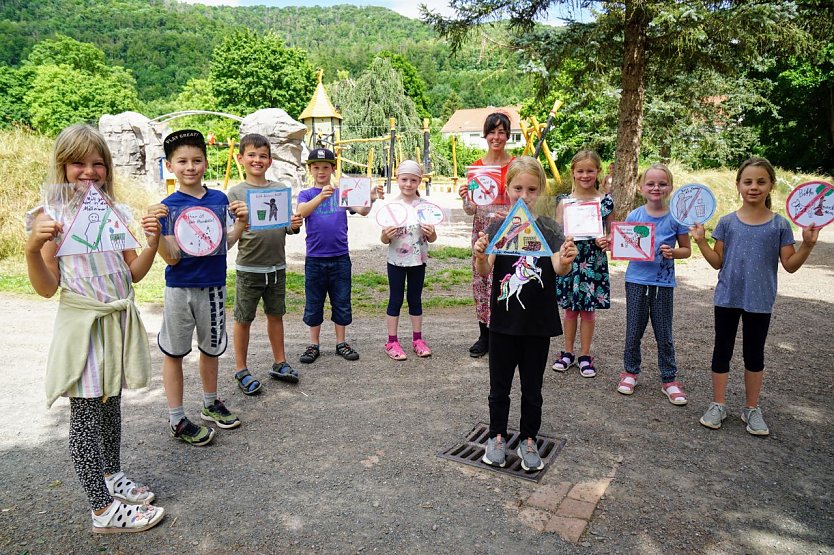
column 392, row 214
column 811, row 203
column 632, row 241
column 692, row 204
column 354, row 191
column 483, row 184
column 519, row 235
column 583, row 220
column 269, row 208
column 429, row 213
column 96, row 227
column 198, row 231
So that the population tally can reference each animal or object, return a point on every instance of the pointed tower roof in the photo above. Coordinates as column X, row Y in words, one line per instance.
column 319, row 106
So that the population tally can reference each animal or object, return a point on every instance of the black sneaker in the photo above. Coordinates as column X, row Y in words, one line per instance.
column 311, row 353
column 346, row 352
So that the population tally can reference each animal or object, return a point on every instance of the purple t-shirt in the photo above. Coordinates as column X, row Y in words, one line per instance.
column 326, row 226
column 747, row 278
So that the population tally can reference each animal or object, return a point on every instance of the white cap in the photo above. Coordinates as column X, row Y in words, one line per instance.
column 411, row 167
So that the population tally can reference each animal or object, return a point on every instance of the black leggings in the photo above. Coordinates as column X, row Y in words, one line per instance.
column 529, row 354
column 753, row 334
column 95, row 438
column 396, row 283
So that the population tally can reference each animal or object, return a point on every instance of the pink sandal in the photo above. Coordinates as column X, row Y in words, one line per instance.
column 421, row 348
column 674, row 392
column 627, row 383
column 395, row 350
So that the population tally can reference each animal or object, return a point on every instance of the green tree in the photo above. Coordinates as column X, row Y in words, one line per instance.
column 13, row 86
column 413, row 84
column 368, row 103
column 453, row 104
column 61, row 95
column 630, row 37
column 250, row 71
column 68, row 81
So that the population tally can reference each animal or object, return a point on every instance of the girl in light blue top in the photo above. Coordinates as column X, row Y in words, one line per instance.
column 749, row 245
column 650, row 286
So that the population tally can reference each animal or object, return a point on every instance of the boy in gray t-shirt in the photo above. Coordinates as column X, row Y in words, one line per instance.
column 260, row 272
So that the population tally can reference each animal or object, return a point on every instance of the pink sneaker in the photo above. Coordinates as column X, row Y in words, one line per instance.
column 395, row 350
column 421, row 348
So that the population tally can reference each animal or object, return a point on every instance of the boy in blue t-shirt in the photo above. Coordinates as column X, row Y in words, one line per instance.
column 195, row 283
column 327, row 267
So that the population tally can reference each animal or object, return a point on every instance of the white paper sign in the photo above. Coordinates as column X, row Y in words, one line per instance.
column 96, row 227
column 354, row 192
column 583, row 220
column 269, row 208
column 199, row 231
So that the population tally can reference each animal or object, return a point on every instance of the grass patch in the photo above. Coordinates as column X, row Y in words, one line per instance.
column 445, row 253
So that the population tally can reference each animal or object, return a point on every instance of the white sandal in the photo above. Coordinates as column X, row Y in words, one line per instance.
column 120, row 517
column 126, row 490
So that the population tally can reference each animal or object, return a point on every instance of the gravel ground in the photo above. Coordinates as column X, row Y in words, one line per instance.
column 345, row 461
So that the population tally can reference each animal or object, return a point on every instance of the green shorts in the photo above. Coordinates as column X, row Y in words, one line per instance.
column 251, row 287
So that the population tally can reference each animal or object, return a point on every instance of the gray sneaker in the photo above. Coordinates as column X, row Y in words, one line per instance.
column 529, row 454
column 496, row 452
column 715, row 415
column 754, row 420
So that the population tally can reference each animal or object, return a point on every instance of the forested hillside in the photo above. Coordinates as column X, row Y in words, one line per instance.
column 165, row 43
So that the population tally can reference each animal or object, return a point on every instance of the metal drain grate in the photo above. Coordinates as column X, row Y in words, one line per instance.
column 472, row 449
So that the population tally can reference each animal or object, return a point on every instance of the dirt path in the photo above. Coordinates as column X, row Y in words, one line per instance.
column 346, row 461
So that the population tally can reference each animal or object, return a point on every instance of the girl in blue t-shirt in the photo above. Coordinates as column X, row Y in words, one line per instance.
column 650, row 286
column 749, row 245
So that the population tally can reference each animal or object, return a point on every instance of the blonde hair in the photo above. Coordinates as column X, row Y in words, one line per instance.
column 581, row 156
column 75, row 143
column 526, row 164
column 661, row 167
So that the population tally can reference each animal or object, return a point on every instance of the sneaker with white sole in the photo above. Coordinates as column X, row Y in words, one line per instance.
column 715, row 415
column 528, row 452
column 755, row 421
column 496, row 452
column 220, row 415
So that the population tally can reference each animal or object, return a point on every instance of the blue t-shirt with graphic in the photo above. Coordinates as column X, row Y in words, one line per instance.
column 661, row 271
column 196, row 271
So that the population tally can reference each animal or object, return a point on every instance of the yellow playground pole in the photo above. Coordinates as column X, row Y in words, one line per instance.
column 538, row 128
column 229, row 165
column 370, row 163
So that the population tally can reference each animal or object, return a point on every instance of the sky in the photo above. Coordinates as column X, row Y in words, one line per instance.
column 408, row 8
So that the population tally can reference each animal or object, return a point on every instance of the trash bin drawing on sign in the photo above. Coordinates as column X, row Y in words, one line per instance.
column 692, row 204
column 811, row 203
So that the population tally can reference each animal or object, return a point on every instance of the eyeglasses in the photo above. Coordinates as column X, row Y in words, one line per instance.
column 651, row 186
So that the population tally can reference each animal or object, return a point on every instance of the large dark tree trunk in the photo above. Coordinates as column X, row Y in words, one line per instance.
column 630, row 127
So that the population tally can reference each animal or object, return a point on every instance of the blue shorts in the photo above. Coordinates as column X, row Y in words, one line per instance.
column 327, row 275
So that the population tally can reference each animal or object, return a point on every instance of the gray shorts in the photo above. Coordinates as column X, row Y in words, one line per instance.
column 187, row 308
column 251, row 287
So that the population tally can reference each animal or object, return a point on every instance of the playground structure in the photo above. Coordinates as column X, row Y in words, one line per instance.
column 136, row 143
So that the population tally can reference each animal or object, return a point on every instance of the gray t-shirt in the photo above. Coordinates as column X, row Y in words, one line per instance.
column 263, row 249
column 747, row 278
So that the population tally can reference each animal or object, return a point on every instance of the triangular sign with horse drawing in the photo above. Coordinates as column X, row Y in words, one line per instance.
column 519, row 235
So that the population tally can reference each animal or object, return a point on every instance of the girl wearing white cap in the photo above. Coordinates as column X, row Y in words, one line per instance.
column 408, row 251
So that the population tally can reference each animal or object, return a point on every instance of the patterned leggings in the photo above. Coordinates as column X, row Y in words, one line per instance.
column 95, row 439
column 642, row 302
